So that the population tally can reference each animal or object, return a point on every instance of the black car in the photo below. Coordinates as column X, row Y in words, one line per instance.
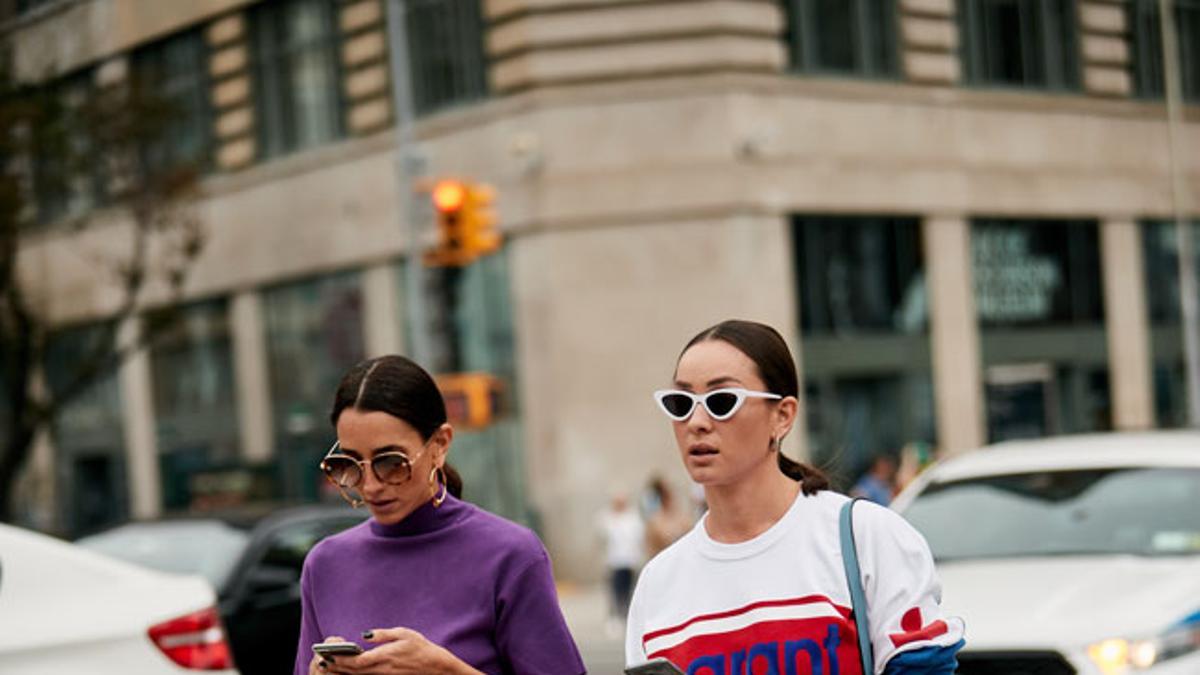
column 253, row 563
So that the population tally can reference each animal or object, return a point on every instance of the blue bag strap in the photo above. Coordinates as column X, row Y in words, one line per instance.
column 858, row 599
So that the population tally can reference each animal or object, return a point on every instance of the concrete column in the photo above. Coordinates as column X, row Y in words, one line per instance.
column 252, row 380
column 954, row 329
column 381, row 310
column 1126, row 325
column 137, row 413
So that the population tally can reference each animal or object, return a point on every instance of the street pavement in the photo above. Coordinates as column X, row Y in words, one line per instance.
column 601, row 643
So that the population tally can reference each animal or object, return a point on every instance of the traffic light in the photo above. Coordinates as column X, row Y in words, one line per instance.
column 466, row 224
column 473, row 400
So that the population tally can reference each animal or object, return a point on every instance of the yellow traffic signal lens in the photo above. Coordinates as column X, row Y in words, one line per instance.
column 449, row 196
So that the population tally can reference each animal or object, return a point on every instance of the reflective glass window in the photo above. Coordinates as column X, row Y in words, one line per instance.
column 445, row 44
column 864, row 342
column 848, row 37
column 297, row 78
column 1161, row 262
column 194, row 400
column 1040, row 306
column 1020, row 43
column 65, row 185
column 1145, row 25
column 176, row 69
column 314, row 335
column 477, row 335
column 87, row 429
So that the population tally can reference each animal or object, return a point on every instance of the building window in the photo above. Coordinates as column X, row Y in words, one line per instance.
column 297, row 76
column 864, row 339
column 445, row 42
column 194, row 401
column 469, row 318
column 1146, row 34
column 176, row 71
column 66, row 185
column 844, row 37
column 314, row 335
column 1039, row 302
column 88, row 430
column 1028, row 44
column 1161, row 261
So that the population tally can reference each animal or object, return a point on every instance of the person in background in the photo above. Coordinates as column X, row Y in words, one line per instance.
column 758, row 584
column 623, row 535
column 670, row 522
column 430, row 583
column 915, row 457
column 878, row 484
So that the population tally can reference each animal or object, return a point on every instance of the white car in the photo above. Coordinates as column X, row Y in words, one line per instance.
column 1077, row 554
column 64, row 609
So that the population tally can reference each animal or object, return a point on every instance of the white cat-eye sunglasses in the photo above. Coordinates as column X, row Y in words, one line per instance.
column 720, row 404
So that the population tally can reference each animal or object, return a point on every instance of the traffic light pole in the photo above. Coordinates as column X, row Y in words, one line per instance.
column 410, row 166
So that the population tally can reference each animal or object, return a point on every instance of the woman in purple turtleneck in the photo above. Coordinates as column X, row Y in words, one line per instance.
column 429, row 584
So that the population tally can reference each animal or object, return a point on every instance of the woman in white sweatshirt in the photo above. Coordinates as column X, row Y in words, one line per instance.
column 758, row 586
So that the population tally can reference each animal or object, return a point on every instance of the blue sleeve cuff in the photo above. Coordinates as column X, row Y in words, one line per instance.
column 925, row 661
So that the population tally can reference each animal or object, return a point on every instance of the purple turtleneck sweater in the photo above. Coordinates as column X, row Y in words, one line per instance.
column 467, row 580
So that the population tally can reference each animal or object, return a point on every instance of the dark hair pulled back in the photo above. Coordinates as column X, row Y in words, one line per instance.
column 399, row 387
column 769, row 352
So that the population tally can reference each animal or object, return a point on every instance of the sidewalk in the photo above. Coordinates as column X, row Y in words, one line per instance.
column 586, row 611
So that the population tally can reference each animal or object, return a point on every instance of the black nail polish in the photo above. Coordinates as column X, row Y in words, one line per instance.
column 368, row 634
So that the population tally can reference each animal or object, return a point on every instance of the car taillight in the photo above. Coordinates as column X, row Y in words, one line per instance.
column 195, row 641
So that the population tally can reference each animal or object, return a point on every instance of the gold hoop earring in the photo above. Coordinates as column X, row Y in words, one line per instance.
column 773, row 446
column 438, row 476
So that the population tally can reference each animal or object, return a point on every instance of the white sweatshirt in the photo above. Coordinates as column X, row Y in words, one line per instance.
column 779, row 603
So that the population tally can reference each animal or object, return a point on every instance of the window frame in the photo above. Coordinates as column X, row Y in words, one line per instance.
column 194, row 87
column 1145, row 49
column 467, row 58
column 1060, row 63
column 272, row 53
column 802, row 29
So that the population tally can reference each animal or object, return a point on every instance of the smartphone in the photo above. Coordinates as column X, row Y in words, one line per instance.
column 654, row 667
column 336, row 649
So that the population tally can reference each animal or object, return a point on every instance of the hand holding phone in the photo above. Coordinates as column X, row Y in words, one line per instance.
column 654, row 667
column 324, row 649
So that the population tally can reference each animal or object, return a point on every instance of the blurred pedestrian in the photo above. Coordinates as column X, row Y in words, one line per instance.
column 761, row 577
column 623, row 534
column 878, row 483
column 670, row 522
column 429, row 584
column 915, row 457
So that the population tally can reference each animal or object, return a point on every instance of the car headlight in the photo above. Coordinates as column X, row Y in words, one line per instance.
column 1118, row 655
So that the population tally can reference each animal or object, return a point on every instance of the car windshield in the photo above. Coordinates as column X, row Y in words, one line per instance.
column 1137, row 511
column 207, row 548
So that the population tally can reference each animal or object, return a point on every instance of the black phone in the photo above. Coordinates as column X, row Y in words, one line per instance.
column 654, row 667
column 336, row 649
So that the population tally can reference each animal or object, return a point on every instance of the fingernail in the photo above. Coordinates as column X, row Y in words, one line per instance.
column 322, row 665
column 368, row 634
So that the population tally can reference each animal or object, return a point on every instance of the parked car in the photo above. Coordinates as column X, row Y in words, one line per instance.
column 253, row 564
column 1069, row 555
column 64, row 609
